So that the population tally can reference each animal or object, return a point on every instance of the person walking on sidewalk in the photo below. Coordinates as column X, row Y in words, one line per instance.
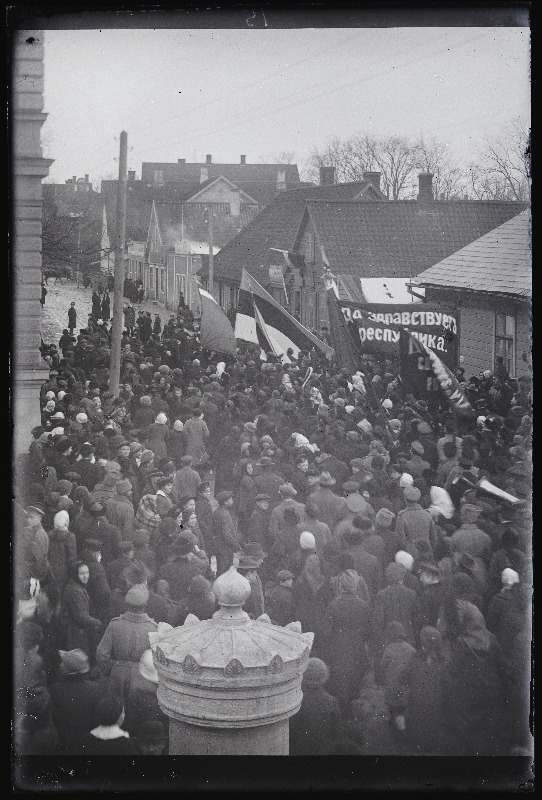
column 72, row 318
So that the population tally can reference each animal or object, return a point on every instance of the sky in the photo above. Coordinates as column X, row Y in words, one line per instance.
column 189, row 93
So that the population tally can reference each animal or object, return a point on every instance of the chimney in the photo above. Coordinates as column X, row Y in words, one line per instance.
column 86, row 178
column 373, row 177
column 425, row 187
column 204, row 174
column 208, row 159
column 131, row 174
column 281, row 180
column 327, row 176
column 181, row 161
column 74, row 179
column 243, row 159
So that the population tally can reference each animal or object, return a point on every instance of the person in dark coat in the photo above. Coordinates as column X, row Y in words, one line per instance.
column 425, row 678
column 91, row 473
column 309, row 600
column 96, row 305
column 73, row 700
column 180, row 571
column 79, row 626
column 317, row 725
column 279, row 602
column 141, row 702
column 72, row 318
column 62, row 549
column 107, row 737
column 106, row 307
column 260, row 520
column 331, row 508
column 114, row 569
column 395, row 660
column 347, row 632
column 431, row 596
column 365, row 563
column 176, row 442
column 474, row 701
column 201, row 601
column 204, row 515
column 226, row 540
column 396, row 603
column 98, row 585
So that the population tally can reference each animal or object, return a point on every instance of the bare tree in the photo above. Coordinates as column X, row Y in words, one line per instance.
column 278, row 157
column 503, row 169
column 449, row 179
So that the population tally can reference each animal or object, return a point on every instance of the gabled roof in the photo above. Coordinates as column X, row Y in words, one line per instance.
column 400, row 238
column 178, row 220
column 261, row 173
column 497, row 263
column 245, row 197
column 275, row 226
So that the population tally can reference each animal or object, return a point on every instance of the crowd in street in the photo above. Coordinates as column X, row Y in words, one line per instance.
column 399, row 534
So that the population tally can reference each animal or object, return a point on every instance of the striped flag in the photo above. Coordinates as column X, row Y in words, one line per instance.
column 260, row 319
column 216, row 332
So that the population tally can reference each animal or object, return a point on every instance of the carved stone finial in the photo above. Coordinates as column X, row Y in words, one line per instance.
column 231, row 589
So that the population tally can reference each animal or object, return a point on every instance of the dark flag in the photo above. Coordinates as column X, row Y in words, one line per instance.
column 346, row 353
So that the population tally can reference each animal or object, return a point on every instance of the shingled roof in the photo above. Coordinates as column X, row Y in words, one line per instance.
column 400, row 238
column 497, row 263
column 275, row 226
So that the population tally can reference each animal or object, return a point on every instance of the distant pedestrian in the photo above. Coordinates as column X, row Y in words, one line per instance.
column 43, row 294
column 106, row 306
column 129, row 318
column 157, row 325
column 72, row 318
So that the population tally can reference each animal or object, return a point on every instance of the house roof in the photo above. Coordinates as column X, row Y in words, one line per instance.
column 400, row 238
column 497, row 263
column 261, row 173
column 376, row 290
column 276, row 226
column 334, row 191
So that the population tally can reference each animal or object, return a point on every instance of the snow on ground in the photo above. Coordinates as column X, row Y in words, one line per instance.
column 54, row 316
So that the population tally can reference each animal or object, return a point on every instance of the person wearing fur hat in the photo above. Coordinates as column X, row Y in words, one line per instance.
column 187, row 480
column 73, row 700
column 179, row 571
column 141, row 702
column 250, row 559
column 347, row 633
column 124, row 641
column 279, row 600
column 317, row 724
column 331, row 508
column 105, row 490
column 469, row 538
column 287, row 494
column 226, row 539
column 414, row 522
column 395, row 603
column 119, row 511
column 98, row 586
column 62, row 550
column 395, row 661
column 101, row 529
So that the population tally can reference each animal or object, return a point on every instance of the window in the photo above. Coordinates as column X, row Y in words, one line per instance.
column 158, row 176
column 505, row 327
column 317, row 310
column 162, row 279
column 309, row 248
column 151, row 277
column 297, row 304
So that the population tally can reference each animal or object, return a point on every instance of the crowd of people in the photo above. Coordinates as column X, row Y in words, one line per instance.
column 399, row 535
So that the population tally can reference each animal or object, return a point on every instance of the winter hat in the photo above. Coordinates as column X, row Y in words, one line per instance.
column 147, row 456
column 86, row 450
column 417, row 448
column 411, row 494
column 316, row 673
column 61, row 520
column 141, row 538
column 199, row 586
column 395, row 632
column 167, row 526
column 387, row 404
column 178, row 425
column 405, row 480
column 284, row 575
column 61, row 395
column 509, row 577
column 110, row 479
column 145, row 400
column 64, row 487
column 223, row 496
column 307, row 541
column 147, row 669
column 384, row 518
column 161, row 419
column 123, row 486
column 93, row 545
column 50, row 395
column 394, row 573
column 405, row 559
column 138, row 595
column 395, row 425
column 349, row 580
column 186, row 461
column 74, row 662
column 287, row 490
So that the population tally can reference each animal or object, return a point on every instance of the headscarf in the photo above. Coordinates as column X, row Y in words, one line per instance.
column 406, row 480
column 313, row 573
column 161, row 419
column 441, row 502
column 62, row 520
column 178, row 425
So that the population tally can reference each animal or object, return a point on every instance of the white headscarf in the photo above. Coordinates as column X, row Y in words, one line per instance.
column 406, row 480
column 441, row 502
column 161, row 419
column 178, row 425
column 62, row 520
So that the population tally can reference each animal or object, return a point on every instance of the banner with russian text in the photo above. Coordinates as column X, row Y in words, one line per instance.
column 377, row 328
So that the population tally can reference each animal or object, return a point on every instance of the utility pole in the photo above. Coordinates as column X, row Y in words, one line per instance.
column 211, row 255
column 116, row 328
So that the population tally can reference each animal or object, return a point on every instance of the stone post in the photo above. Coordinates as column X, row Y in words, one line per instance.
column 29, row 168
column 230, row 684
